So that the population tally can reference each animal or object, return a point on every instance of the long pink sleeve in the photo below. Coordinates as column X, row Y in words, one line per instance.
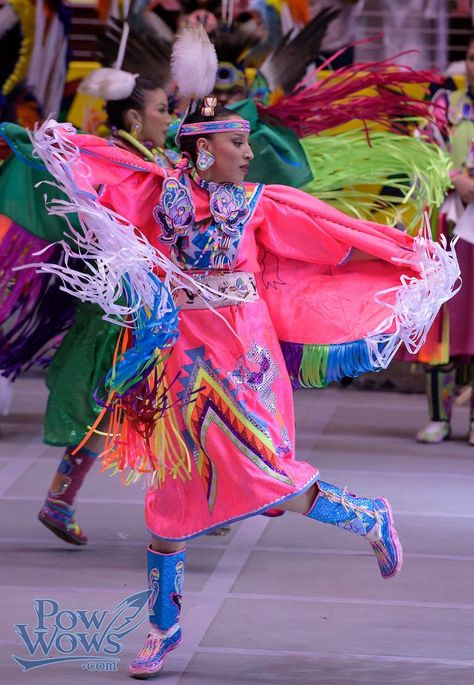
column 120, row 180
column 298, row 226
column 108, row 164
column 315, row 297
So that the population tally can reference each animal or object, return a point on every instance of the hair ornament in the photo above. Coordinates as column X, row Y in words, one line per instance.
column 193, row 63
column 109, row 84
column 193, row 67
column 209, row 107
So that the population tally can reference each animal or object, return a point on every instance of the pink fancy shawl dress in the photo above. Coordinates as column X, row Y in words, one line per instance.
column 225, row 448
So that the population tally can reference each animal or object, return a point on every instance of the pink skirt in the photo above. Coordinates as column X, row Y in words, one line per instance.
column 237, row 419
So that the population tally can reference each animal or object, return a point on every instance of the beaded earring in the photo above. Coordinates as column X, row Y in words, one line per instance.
column 136, row 130
column 204, row 160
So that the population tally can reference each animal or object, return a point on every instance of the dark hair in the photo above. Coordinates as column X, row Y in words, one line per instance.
column 188, row 143
column 116, row 109
column 11, row 105
column 470, row 41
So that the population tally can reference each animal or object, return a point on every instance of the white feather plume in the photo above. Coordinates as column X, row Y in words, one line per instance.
column 194, row 63
column 8, row 18
column 109, row 84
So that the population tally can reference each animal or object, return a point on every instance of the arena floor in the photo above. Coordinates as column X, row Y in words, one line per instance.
column 275, row 602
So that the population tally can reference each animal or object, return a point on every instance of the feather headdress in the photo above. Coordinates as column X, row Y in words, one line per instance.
column 193, row 63
column 146, row 53
column 287, row 64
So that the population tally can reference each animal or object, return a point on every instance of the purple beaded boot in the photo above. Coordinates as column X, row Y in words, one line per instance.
column 57, row 513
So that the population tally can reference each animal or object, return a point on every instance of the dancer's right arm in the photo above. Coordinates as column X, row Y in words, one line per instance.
column 34, row 175
column 90, row 169
column 112, row 193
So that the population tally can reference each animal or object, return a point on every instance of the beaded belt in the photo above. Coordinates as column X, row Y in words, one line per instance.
column 229, row 288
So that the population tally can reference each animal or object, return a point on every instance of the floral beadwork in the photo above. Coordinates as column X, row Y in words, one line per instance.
column 206, row 244
column 229, row 207
column 214, row 244
column 175, row 212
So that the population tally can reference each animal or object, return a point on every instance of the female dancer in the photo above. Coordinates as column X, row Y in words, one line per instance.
column 224, row 448
column 458, row 333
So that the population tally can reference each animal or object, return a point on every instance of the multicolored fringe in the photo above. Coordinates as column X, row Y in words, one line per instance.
column 435, row 350
column 338, row 99
column 388, row 179
column 118, row 273
column 142, row 437
column 118, row 263
column 33, row 311
column 152, row 333
column 315, row 366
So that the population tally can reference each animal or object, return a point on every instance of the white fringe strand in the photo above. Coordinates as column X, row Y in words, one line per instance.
column 418, row 299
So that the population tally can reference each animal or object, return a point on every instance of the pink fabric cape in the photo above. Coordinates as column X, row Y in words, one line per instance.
column 300, row 241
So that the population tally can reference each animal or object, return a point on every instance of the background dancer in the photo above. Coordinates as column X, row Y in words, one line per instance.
column 454, row 345
column 138, row 121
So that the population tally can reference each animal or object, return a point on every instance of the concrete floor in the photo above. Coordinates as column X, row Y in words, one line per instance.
column 276, row 602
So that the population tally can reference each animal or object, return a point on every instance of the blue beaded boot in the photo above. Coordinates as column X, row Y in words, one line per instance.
column 370, row 518
column 165, row 579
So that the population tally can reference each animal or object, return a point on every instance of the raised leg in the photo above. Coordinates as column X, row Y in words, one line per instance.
column 370, row 518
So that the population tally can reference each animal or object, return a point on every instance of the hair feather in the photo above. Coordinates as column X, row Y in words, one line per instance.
column 109, row 84
column 194, row 63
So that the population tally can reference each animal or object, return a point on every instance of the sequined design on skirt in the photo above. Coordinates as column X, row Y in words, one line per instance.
column 216, row 405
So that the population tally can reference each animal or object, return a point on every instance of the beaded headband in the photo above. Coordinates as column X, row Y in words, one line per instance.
column 206, row 127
